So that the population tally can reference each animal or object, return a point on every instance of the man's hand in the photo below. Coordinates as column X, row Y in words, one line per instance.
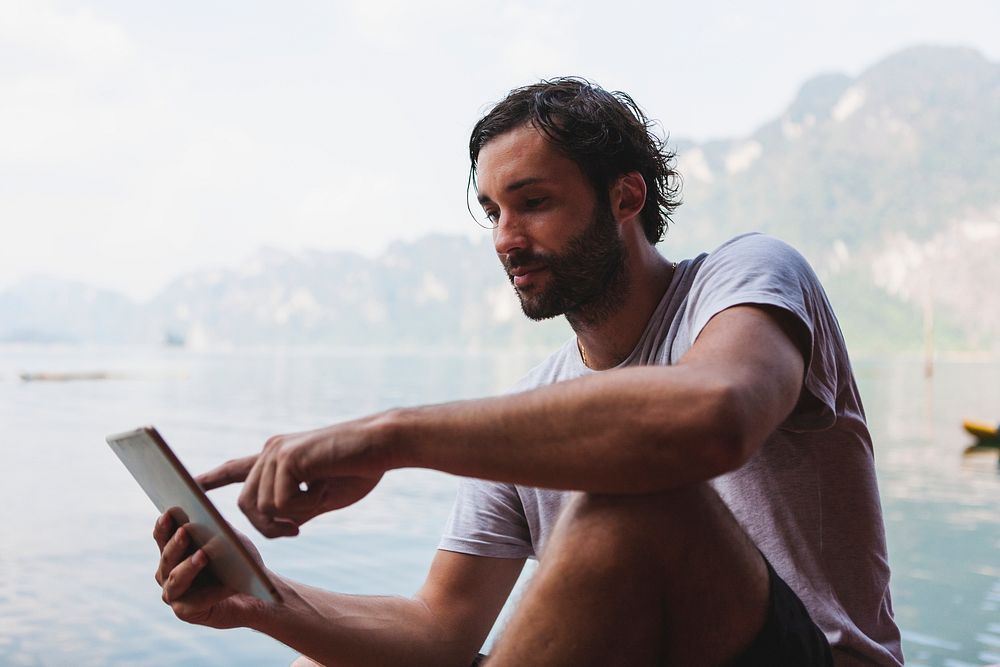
column 191, row 591
column 300, row 476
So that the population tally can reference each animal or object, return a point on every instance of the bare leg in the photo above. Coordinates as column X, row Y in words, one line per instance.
column 641, row 580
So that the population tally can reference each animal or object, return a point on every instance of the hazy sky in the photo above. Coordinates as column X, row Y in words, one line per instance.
column 141, row 140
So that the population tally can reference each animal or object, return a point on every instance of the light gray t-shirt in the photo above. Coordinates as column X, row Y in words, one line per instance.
column 808, row 497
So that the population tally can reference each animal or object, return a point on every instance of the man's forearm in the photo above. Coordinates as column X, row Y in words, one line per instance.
column 336, row 629
column 620, row 432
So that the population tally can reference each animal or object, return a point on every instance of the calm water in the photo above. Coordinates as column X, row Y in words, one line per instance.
column 76, row 559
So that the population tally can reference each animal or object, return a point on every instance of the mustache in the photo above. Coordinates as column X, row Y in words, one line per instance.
column 518, row 258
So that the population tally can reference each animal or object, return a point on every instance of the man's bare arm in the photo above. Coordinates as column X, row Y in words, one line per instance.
column 635, row 430
column 445, row 623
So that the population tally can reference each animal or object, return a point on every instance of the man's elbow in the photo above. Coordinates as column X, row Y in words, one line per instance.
column 745, row 424
column 729, row 428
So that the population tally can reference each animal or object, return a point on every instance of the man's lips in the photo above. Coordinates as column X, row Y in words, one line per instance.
column 523, row 275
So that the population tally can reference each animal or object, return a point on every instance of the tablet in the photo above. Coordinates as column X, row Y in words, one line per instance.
column 172, row 489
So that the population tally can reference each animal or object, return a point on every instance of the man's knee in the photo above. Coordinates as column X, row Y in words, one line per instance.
column 615, row 531
column 636, row 531
column 623, row 516
column 681, row 554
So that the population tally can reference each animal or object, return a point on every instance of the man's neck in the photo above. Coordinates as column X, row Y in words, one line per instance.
column 607, row 343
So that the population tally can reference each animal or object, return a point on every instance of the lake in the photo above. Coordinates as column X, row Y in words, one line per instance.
column 77, row 559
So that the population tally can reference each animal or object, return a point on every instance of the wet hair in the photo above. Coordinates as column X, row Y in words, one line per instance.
column 605, row 133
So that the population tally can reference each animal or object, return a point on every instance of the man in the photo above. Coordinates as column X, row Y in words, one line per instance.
column 692, row 469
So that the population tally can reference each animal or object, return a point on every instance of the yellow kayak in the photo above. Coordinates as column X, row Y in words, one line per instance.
column 982, row 430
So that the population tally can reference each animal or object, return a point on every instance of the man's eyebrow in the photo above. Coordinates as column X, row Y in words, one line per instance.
column 516, row 185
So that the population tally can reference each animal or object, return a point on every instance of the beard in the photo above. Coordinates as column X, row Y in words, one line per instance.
column 587, row 281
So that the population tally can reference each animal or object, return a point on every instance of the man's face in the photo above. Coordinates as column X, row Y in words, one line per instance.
column 560, row 247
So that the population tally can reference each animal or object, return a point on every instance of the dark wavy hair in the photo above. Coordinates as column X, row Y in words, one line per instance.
column 605, row 133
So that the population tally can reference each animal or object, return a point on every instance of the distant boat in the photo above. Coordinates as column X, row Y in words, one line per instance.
column 173, row 339
column 66, row 377
column 985, row 434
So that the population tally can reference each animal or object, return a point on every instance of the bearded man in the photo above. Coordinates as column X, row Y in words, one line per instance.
column 692, row 469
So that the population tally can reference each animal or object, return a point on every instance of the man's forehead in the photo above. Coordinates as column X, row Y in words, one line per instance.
column 519, row 157
column 520, row 143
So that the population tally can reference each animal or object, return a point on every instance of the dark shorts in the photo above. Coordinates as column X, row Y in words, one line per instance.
column 789, row 637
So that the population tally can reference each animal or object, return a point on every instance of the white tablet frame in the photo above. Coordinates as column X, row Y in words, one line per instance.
column 172, row 489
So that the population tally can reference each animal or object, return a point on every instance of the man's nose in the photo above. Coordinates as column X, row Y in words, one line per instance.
column 509, row 234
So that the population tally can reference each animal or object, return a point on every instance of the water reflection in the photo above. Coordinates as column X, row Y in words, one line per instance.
column 940, row 504
column 979, row 456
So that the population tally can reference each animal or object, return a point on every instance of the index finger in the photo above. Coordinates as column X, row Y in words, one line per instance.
column 229, row 472
column 163, row 529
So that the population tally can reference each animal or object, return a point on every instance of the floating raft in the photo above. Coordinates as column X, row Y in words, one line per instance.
column 67, row 377
column 985, row 434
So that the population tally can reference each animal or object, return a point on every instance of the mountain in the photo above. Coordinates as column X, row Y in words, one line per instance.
column 888, row 182
column 906, row 146
column 41, row 309
column 438, row 290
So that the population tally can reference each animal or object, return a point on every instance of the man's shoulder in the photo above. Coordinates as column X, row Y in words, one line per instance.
column 753, row 244
column 755, row 256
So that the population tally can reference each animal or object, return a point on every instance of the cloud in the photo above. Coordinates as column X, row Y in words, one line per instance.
column 531, row 37
column 37, row 26
column 400, row 24
column 58, row 71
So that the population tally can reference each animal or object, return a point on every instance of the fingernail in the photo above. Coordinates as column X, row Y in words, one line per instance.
column 198, row 558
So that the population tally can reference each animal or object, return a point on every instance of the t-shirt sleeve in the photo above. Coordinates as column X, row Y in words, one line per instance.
column 487, row 519
column 762, row 270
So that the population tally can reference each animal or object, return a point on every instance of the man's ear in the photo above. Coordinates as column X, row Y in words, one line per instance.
column 628, row 196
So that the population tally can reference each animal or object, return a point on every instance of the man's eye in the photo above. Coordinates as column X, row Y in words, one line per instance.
column 534, row 202
column 492, row 216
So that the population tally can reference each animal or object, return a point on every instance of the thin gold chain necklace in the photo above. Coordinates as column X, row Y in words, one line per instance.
column 579, row 343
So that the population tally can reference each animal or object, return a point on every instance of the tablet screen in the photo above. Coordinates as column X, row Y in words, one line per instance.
column 172, row 489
